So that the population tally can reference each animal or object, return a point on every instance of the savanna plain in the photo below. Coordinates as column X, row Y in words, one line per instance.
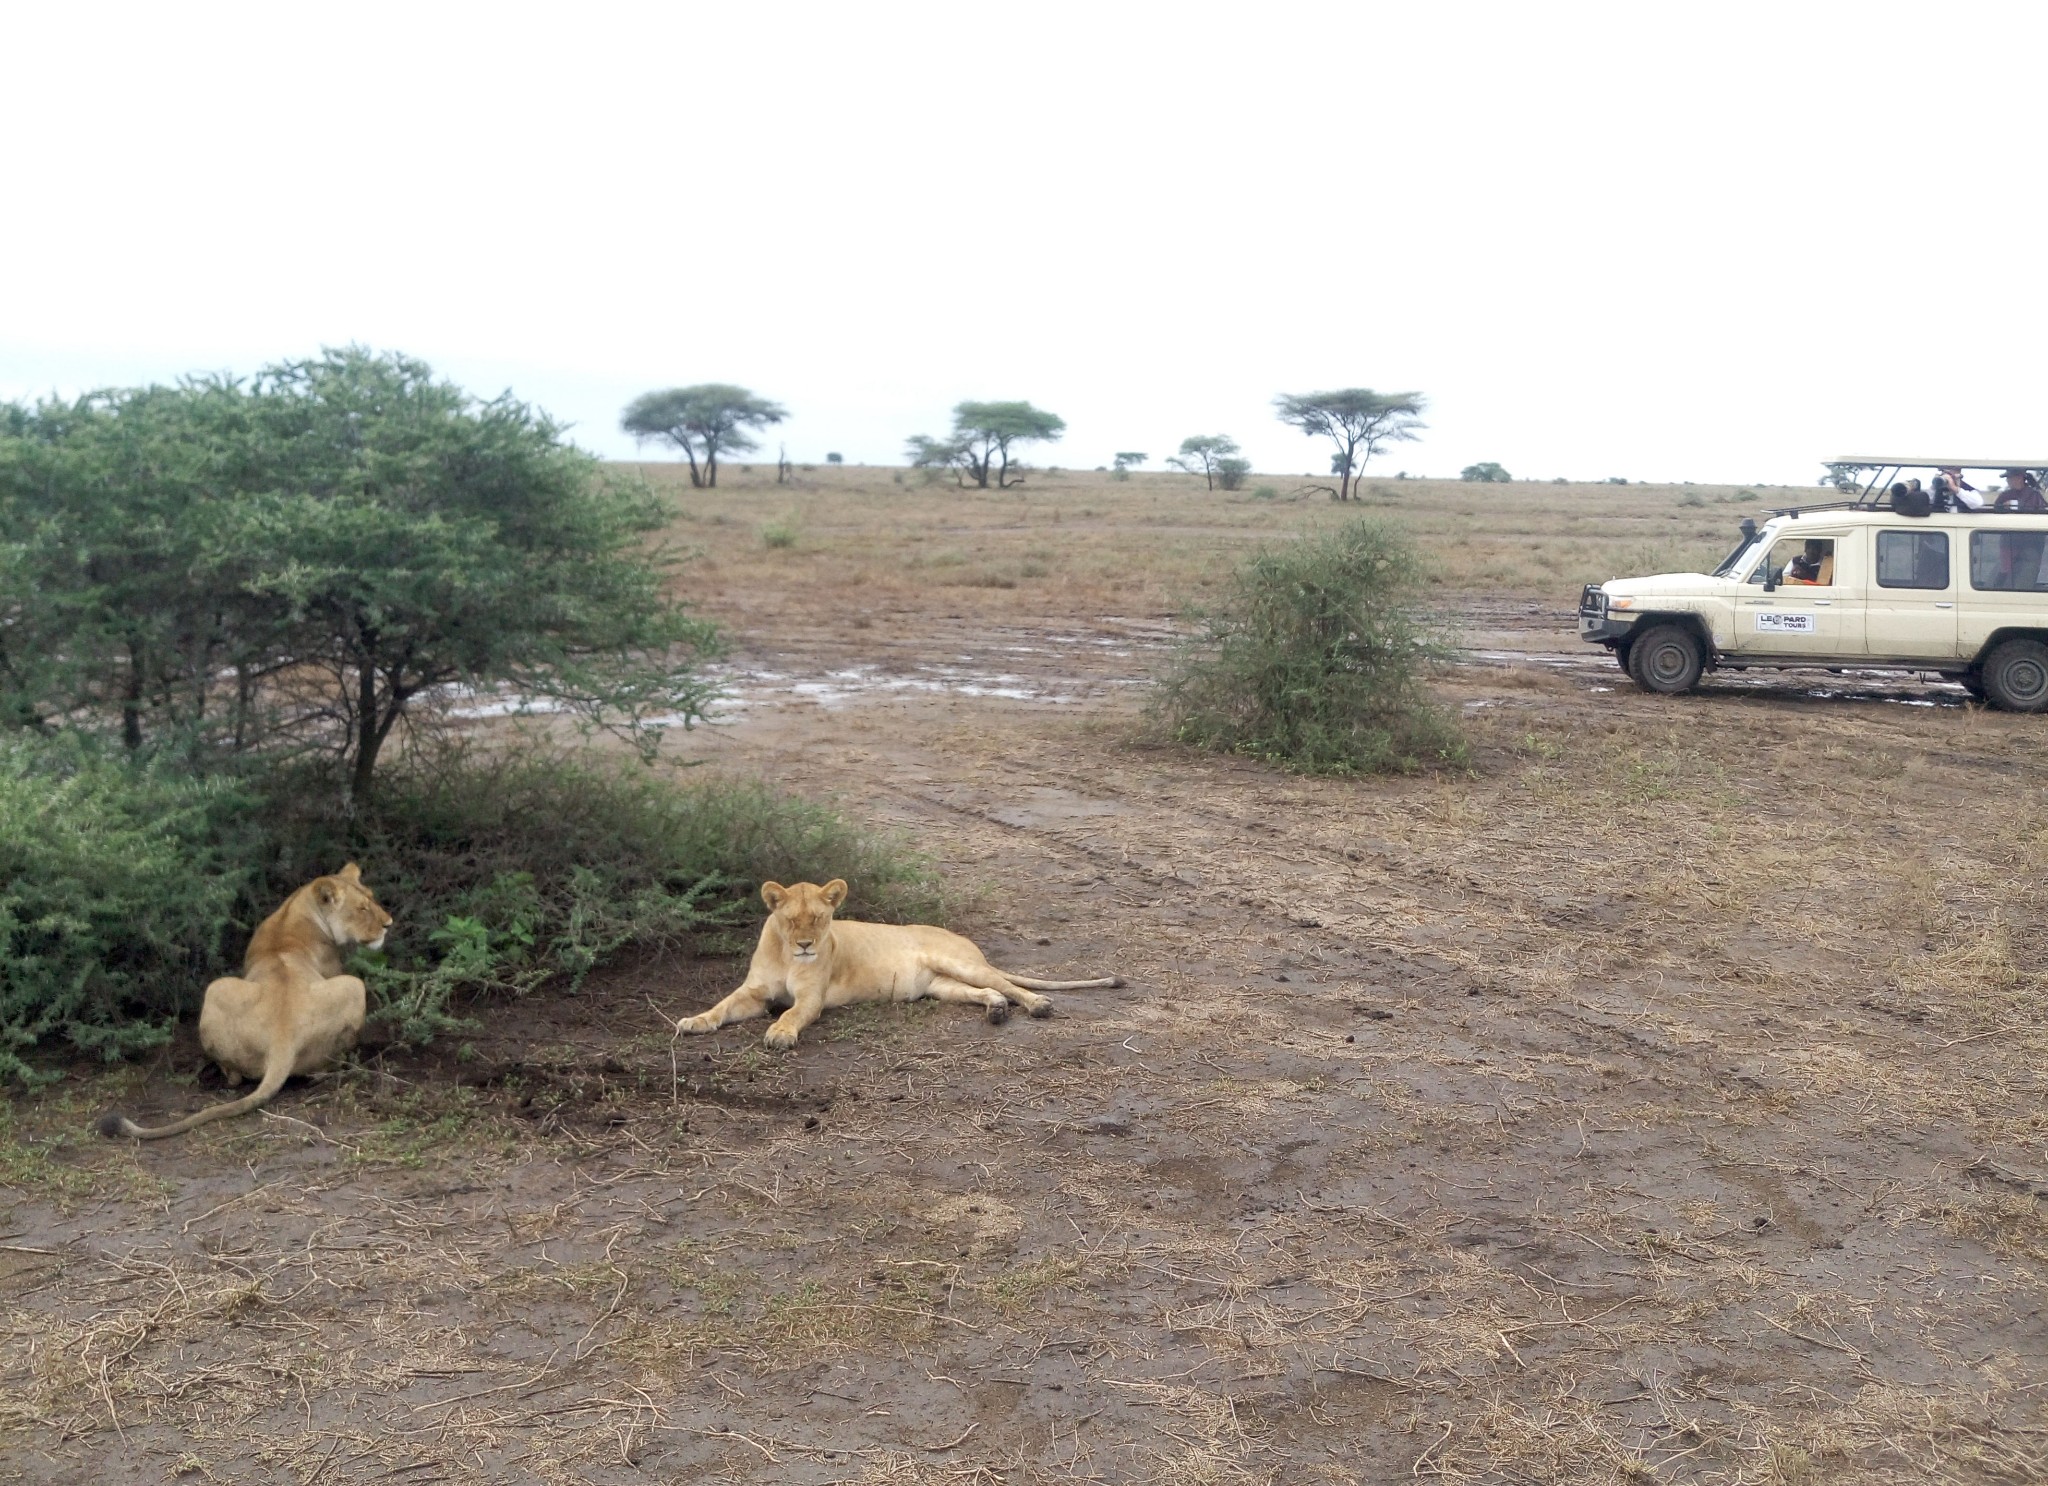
column 1656, row 1097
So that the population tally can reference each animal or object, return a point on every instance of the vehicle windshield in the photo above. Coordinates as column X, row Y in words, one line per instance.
column 1732, row 563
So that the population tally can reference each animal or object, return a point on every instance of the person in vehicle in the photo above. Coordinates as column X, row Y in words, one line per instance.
column 1953, row 493
column 2022, row 493
column 1813, row 565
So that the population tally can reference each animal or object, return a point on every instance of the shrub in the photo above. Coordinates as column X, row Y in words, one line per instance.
column 524, row 871
column 1230, row 473
column 126, row 885
column 779, row 534
column 1265, row 492
column 1487, row 473
column 1314, row 660
column 118, row 880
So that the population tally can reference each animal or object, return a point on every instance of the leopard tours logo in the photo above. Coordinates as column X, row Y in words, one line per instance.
column 1785, row 624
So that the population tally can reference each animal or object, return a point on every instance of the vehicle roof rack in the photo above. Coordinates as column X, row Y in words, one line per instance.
column 1885, row 468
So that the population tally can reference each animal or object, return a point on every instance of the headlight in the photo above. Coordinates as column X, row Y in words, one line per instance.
column 1621, row 603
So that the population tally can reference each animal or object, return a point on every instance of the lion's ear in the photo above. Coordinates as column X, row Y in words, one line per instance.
column 326, row 894
column 772, row 893
column 350, row 873
column 834, row 892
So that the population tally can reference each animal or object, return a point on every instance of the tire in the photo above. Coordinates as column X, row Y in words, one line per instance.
column 1621, row 656
column 2016, row 676
column 1667, row 660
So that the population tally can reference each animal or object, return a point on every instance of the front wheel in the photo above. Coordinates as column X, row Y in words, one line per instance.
column 2016, row 676
column 1667, row 660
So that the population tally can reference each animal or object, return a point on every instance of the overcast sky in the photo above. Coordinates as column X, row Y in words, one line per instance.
column 1712, row 242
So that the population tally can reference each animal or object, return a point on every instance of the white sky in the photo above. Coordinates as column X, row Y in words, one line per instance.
column 1704, row 241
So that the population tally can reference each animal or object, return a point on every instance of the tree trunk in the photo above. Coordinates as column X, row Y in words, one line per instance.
column 696, row 475
column 369, row 737
column 131, row 704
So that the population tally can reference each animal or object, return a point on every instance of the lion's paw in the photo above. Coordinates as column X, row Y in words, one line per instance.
column 1042, row 1009
column 999, row 1013
column 781, row 1037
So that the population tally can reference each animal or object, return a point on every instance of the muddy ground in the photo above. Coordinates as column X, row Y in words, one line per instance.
column 1661, row 1100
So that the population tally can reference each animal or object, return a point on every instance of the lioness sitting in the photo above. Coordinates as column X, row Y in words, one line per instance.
column 807, row 961
column 289, row 1011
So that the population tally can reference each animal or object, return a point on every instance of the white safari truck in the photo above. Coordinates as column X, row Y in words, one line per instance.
column 1864, row 583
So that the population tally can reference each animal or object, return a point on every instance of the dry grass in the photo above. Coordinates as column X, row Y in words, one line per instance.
column 1080, row 543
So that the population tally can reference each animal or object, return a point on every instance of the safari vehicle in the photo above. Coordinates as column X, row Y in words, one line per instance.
column 1855, row 583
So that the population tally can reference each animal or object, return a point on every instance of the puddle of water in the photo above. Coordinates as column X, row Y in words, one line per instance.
column 747, row 687
column 483, row 704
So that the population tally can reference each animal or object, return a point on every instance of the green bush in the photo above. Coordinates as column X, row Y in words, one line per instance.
column 1314, row 660
column 778, row 534
column 126, row 886
column 119, row 883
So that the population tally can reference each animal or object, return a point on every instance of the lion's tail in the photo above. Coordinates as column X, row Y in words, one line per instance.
column 112, row 1123
column 1031, row 984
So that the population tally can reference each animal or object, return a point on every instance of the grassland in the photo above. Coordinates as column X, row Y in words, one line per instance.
column 1660, row 1099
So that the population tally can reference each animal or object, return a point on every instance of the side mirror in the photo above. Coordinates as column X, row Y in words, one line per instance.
column 1770, row 581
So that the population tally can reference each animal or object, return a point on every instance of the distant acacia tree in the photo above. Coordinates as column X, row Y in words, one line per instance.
column 703, row 421
column 1125, row 463
column 985, row 434
column 1230, row 472
column 1488, row 473
column 1847, row 478
column 1357, row 419
column 1199, row 455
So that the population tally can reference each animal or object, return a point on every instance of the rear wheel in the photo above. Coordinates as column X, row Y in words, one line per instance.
column 1668, row 660
column 2016, row 676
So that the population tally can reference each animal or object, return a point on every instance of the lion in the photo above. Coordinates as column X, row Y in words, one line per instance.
column 807, row 960
column 290, row 1010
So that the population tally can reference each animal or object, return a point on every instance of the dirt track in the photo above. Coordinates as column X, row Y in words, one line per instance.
column 1654, row 1104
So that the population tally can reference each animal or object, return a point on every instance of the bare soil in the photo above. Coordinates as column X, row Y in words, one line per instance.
column 1661, row 1100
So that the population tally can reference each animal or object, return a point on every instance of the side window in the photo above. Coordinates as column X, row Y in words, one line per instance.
column 2009, row 561
column 1912, row 559
column 1807, row 562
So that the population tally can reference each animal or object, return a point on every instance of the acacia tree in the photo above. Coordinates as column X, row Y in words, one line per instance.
column 296, row 564
column 1357, row 419
column 422, row 539
column 983, row 439
column 115, row 601
column 703, row 421
column 1201, row 454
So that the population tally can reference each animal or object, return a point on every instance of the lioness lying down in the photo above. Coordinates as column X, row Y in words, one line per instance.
column 289, row 1011
column 807, row 961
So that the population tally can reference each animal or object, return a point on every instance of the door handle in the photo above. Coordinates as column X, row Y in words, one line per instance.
column 1822, row 603
column 1942, row 604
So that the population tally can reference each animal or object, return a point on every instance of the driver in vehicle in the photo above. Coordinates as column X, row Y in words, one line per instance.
column 1814, row 565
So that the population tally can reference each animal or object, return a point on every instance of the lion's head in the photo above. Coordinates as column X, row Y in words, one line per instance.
column 801, row 914
column 348, row 910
